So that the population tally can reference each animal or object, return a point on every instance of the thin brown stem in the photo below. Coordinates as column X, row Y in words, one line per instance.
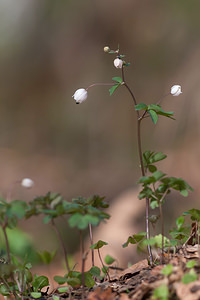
column 83, row 264
column 7, row 243
column 162, row 224
column 106, row 271
column 139, row 119
column 61, row 243
column 95, row 84
column 91, row 242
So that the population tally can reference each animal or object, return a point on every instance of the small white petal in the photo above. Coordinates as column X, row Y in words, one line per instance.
column 118, row 63
column 176, row 90
column 27, row 183
column 80, row 95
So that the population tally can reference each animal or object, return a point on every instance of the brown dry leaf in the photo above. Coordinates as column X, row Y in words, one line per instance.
column 190, row 291
column 134, row 268
column 194, row 248
column 145, row 288
column 124, row 296
column 156, row 270
column 101, row 294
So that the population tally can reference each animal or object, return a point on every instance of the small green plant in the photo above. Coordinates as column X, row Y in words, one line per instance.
column 161, row 293
column 156, row 186
column 82, row 214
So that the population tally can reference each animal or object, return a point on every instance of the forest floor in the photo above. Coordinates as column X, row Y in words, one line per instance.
column 140, row 282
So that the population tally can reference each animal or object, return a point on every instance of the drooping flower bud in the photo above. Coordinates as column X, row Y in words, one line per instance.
column 80, row 95
column 176, row 90
column 106, row 49
column 27, row 183
column 118, row 63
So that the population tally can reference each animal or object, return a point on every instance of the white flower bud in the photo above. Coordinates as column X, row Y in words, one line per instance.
column 27, row 183
column 176, row 90
column 106, row 49
column 80, row 95
column 118, row 63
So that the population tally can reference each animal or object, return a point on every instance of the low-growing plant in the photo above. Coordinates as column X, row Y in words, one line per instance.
column 82, row 214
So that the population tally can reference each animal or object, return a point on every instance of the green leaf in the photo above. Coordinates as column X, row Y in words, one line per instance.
column 153, row 116
column 195, row 214
column 60, row 279
column 161, row 292
column 4, row 290
column 109, row 260
column 63, row 289
column 112, row 52
column 40, row 282
column 98, row 245
column 157, row 157
column 157, row 241
column 154, row 204
column 118, row 79
column 46, row 256
column 134, row 239
column 184, row 193
column 189, row 277
column 152, row 168
column 104, row 269
column 113, row 88
column 36, row 295
column 47, row 219
column 55, row 297
column 95, row 271
column 141, row 106
column 167, row 270
column 191, row 264
column 89, row 281
column 180, row 222
column 146, row 192
column 74, row 281
column 82, row 221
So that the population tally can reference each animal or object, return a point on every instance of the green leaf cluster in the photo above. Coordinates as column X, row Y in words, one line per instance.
column 194, row 214
column 11, row 212
column 157, row 185
column 181, row 233
column 154, row 111
column 135, row 239
column 81, row 211
column 114, row 87
column 73, row 278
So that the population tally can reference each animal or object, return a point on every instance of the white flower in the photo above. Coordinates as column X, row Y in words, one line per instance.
column 106, row 49
column 176, row 90
column 80, row 95
column 118, row 63
column 27, row 183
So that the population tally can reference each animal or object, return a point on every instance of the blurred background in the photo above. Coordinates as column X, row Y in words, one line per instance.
column 49, row 49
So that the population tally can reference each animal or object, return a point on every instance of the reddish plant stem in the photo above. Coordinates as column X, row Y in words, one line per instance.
column 61, row 243
column 106, row 271
column 139, row 119
column 91, row 241
column 83, row 262
column 95, row 84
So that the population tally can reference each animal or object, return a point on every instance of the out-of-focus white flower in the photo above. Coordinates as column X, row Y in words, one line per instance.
column 27, row 183
column 106, row 49
column 118, row 63
column 80, row 95
column 176, row 90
